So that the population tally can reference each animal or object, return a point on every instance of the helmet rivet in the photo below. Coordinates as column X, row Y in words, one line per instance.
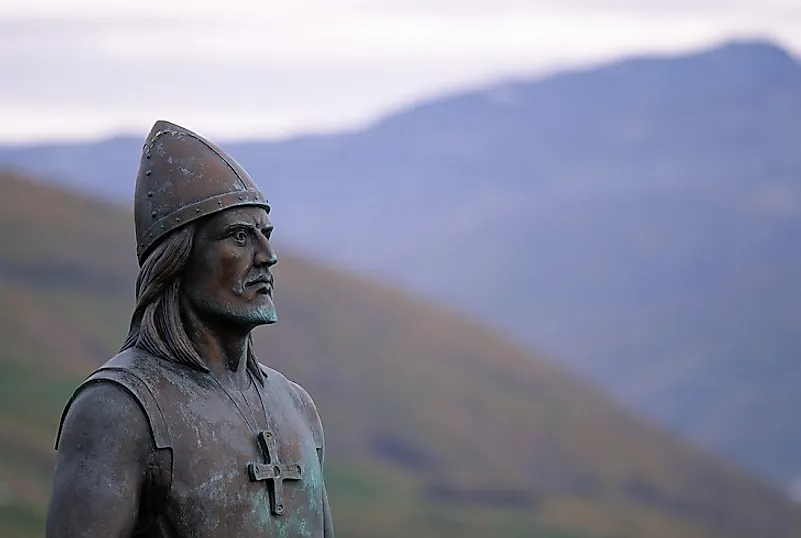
column 147, row 156
column 162, row 226
column 177, row 219
column 240, row 197
column 219, row 202
column 153, row 214
column 197, row 210
column 147, row 172
column 150, row 193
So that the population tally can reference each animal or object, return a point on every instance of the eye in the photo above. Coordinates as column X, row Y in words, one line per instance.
column 240, row 236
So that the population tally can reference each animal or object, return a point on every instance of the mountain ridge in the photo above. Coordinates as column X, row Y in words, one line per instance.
column 411, row 398
column 635, row 221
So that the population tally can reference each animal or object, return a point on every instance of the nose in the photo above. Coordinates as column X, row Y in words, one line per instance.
column 264, row 255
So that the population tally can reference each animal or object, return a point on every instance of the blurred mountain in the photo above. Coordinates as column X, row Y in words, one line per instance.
column 638, row 221
column 435, row 425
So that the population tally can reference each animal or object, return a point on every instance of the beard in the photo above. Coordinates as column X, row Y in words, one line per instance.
column 260, row 310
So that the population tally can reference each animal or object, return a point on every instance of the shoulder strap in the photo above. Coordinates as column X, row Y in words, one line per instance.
column 139, row 390
column 161, row 467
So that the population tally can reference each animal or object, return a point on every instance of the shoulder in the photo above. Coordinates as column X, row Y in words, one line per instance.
column 137, row 361
column 303, row 401
column 134, row 361
column 103, row 403
column 121, row 386
column 100, row 418
column 298, row 392
column 102, row 466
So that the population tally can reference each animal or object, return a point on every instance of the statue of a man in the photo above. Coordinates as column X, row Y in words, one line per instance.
column 184, row 433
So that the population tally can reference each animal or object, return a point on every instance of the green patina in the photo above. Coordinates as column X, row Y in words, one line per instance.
column 296, row 523
column 187, row 361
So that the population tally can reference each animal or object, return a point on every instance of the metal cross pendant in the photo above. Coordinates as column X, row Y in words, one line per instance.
column 273, row 470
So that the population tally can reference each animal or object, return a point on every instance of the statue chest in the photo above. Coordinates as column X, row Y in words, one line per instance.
column 232, row 477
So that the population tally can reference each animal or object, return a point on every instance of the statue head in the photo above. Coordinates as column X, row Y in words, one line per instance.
column 203, row 244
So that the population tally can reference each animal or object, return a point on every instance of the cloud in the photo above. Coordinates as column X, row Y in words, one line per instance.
column 308, row 66
column 238, row 9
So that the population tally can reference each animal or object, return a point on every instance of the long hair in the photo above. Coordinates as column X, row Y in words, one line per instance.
column 156, row 323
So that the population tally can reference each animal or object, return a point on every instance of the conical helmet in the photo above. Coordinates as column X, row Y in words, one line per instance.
column 183, row 177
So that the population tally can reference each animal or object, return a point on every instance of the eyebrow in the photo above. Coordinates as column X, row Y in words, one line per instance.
column 248, row 225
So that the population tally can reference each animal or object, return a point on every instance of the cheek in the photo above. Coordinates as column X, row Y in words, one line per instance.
column 219, row 272
column 208, row 274
column 230, row 272
column 212, row 262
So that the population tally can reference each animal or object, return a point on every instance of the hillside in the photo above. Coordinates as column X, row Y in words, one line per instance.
column 637, row 221
column 436, row 426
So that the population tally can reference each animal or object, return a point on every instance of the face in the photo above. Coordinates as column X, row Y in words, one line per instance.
column 228, row 273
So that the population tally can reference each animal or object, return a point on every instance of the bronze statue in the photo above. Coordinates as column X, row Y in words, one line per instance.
column 184, row 433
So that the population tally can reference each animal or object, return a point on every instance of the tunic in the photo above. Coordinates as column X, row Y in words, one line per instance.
column 211, row 474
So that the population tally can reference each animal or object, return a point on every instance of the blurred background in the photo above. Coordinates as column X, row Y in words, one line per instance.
column 540, row 262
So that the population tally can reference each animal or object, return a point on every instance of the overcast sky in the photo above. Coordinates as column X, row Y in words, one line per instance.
column 87, row 69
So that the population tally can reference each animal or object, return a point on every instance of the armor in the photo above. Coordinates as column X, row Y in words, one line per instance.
column 183, row 177
column 208, row 477
column 242, row 461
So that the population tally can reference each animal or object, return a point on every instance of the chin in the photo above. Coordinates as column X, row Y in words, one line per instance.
column 251, row 318
column 263, row 314
column 268, row 316
column 260, row 311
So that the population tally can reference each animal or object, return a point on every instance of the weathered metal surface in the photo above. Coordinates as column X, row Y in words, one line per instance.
column 183, row 177
column 275, row 471
column 157, row 443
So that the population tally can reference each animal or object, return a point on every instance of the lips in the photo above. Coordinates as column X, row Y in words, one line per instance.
column 264, row 281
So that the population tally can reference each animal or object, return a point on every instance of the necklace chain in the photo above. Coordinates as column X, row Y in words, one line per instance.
column 254, row 429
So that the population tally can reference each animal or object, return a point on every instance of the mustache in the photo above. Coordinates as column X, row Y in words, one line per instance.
column 261, row 278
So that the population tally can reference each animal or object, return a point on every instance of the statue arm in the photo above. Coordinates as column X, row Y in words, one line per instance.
column 317, row 427
column 328, row 528
column 104, row 449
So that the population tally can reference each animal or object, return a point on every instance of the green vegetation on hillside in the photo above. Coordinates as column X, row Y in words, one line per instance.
column 435, row 425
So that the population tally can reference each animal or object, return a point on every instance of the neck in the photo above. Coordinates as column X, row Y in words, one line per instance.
column 222, row 347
